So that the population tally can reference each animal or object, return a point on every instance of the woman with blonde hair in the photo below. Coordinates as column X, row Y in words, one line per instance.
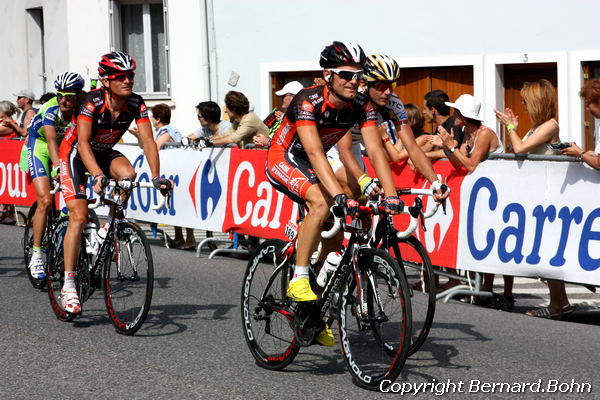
column 540, row 102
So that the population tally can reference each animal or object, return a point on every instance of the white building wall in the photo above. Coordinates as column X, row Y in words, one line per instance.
column 255, row 38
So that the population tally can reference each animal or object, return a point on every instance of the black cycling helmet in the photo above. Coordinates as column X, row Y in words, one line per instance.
column 339, row 53
column 114, row 63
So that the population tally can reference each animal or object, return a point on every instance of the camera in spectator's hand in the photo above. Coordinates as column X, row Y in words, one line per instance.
column 559, row 146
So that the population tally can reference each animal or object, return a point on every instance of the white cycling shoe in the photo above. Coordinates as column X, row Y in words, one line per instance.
column 36, row 267
column 70, row 301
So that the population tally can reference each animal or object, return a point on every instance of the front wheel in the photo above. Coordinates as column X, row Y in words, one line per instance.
column 128, row 278
column 266, row 317
column 375, row 320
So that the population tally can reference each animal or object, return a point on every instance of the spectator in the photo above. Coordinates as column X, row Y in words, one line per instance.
column 436, row 111
column 273, row 120
column 590, row 93
column 25, row 100
column 46, row 96
column 209, row 116
column 245, row 124
column 415, row 119
column 164, row 132
column 478, row 141
column 540, row 102
column 559, row 305
column 8, row 129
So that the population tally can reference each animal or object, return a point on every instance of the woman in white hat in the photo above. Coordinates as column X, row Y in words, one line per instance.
column 479, row 140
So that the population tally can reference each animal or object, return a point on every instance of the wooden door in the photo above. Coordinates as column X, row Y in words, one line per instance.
column 279, row 79
column 414, row 83
column 515, row 75
column 591, row 70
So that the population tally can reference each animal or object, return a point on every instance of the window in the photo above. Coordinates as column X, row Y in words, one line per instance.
column 139, row 28
column 35, row 46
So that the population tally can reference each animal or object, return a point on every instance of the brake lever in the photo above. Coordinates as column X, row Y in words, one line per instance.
column 444, row 189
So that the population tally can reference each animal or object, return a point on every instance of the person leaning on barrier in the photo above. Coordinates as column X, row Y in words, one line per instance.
column 25, row 100
column 590, row 93
column 8, row 129
column 245, row 124
column 211, row 124
column 478, row 141
column 540, row 102
column 539, row 98
column 273, row 120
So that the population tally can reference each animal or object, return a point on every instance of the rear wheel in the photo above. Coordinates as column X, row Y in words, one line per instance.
column 128, row 278
column 266, row 317
column 413, row 258
column 374, row 320
column 55, row 270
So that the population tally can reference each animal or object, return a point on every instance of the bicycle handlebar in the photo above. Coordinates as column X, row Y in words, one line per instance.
column 55, row 189
column 127, row 185
column 415, row 211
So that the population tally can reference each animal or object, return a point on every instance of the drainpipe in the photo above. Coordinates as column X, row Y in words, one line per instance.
column 208, row 49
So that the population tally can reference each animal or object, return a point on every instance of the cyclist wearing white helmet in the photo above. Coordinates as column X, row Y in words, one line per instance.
column 381, row 74
column 40, row 153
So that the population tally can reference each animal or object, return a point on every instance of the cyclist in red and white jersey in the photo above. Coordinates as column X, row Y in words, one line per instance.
column 317, row 119
column 104, row 116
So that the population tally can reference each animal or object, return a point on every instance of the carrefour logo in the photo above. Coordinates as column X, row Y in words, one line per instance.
column 209, row 190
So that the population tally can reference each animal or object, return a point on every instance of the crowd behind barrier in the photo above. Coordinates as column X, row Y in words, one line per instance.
column 528, row 217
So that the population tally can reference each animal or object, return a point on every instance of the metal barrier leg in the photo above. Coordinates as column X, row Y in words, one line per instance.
column 462, row 290
column 208, row 241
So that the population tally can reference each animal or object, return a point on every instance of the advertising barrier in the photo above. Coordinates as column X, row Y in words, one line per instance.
column 525, row 218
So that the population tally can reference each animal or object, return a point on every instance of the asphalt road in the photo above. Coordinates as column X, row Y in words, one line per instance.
column 192, row 346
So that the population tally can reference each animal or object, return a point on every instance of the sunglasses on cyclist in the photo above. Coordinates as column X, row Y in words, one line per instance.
column 122, row 75
column 348, row 75
column 66, row 96
column 383, row 86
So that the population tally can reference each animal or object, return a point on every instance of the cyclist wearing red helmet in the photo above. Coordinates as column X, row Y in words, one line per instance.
column 317, row 118
column 104, row 116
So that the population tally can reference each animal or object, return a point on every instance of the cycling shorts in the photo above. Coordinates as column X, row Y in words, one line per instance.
column 35, row 157
column 290, row 174
column 73, row 179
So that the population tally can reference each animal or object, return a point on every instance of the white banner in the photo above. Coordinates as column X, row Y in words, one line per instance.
column 531, row 218
column 199, row 196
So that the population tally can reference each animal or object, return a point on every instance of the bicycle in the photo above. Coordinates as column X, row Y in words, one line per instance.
column 367, row 294
column 413, row 259
column 122, row 266
column 51, row 221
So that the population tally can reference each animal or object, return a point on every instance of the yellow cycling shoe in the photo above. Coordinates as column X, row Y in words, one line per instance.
column 300, row 291
column 325, row 337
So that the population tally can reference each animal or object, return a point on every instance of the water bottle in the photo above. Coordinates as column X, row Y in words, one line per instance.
column 329, row 267
column 89, row 233
column 100, row 236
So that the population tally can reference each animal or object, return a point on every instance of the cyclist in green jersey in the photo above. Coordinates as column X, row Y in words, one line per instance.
column 46, row 131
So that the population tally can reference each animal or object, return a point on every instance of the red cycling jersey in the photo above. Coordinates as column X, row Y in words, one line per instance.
column 288, row 167
column 105, row 132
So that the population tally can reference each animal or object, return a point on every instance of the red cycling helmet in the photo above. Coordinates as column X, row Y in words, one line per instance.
column 339, row 53
column 115, row 62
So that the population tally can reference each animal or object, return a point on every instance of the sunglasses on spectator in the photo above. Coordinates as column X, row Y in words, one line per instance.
column 347, row 74
column 122, row 75
column 66, row 96
column 383, row 86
